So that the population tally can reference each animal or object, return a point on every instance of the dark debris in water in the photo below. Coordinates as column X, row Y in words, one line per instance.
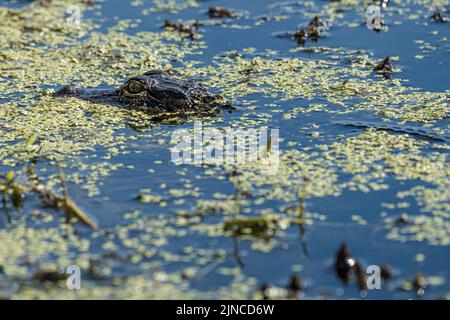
column 439, row 17
column 189, row 30
column 221, row 12
column 351, row 270
column 386, row 65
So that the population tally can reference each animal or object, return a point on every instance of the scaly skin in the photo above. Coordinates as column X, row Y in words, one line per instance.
column 155, row 92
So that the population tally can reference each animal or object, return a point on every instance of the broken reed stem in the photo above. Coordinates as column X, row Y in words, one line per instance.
column 62, row 178
column 269, row 146
column 301, row 200
column 49, row 197
column 5, row 207
column 71, row 208
column 237, row 204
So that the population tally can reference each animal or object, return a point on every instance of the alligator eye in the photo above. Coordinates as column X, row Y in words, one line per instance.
column 134, row 87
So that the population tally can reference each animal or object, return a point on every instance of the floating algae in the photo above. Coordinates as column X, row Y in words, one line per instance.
column 94, row 141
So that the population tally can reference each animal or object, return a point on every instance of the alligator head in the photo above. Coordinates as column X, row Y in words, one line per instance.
column 154, row 92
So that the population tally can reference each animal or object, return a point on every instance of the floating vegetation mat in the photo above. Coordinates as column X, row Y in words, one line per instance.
column 164, row 231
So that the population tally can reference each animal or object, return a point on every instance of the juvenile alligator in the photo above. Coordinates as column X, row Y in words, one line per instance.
column 155, row 92
column 422, row 132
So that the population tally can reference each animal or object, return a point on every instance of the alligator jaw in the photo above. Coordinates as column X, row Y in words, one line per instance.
column 87, row 94
column 93, row 95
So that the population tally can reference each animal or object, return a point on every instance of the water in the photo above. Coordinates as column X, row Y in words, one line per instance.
column 367, row 242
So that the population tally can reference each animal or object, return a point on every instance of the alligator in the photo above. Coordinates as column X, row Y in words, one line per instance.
column 155, row 92
column 417, row 131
